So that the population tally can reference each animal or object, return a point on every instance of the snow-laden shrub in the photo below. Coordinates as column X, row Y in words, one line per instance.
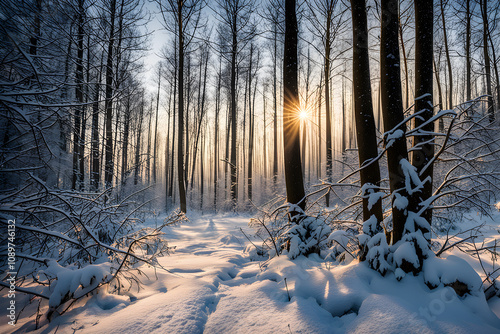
column 281, row 233
column 70, row 244
column 305, row 236
column 406, row 255
column 71, row 282
column 453, row 272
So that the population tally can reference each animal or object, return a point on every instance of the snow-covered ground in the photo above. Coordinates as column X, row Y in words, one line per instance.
column 213, row 287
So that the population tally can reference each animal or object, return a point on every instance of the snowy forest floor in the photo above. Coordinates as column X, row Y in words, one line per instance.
column 214, row 287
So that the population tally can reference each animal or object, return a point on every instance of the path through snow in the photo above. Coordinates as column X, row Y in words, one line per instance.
column 213, row 287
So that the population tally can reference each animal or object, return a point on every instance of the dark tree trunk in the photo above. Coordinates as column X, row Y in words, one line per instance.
column 393, row 114
column 36, row 29
column 344, row 128
column 264, row 148
column 171, row 187
column 168, row 176
column 186, row 118
column 126, row 128
column 405, row 62
column 138, row 143
column 468, row 66
column 304, row 121
column 448, row 60
column 363, row 112
column 319, row 125
column 156, row 125
column 202, row 172
column 327, row 107
column 275, row 108
column 250, row 128
column 216, row 132
column 201, row 113
column 180, row 111
column 77, row 180
column 108, row 105
column 234, row 184
column 487, row 62
column 95, row 173
column 440, row 94
column 228, row 145
column 423, row 145
column 148, row 150
column 291, row 123
column 495, row 68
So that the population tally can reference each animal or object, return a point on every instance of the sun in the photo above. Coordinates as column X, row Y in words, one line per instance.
column 303, row 115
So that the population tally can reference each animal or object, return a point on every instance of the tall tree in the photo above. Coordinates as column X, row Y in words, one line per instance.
column 202, row 82
column 448, row 58
column 236, row 16
column 95, row 171
column 274, row 15
column 291, row 123
column 393, row 115
column 216, row 130
column 326, row 22
column 182, row 18
column 108, row 104
column 487, row 61
column 468, row 66
column 160, row 70
column 365, row 121
column 78, row 142
column 423, row 143
column 138, row 140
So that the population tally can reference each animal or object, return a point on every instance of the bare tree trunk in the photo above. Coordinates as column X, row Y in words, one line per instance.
column 319, row 125
column 405, row 62
column 186, row 118
column 495, row 68
column 180, row 110
column 487, row 66
column 201, row 113
column 275, row 108
column 448, row 60
column 344, row 141
column 171, row 187
column 36, row 29
column 156, row 124
column 291, row 124
column 138, row 143
column 168, row 176
column 148, row 151
column 95, row 174
column 216, row 131
column 244, row 126
column 250, row 127
column 264, row 148
column 108, row 106
column 440, row 95
column 304, row 121
column 423, row 145
column 234, row 184
column 77, row 180
column 366, row 132
column 228, row 145
column 468, row 66
column 202, row 171
column 126, row 128
column 393, row 113
column 327, row 108
column 118, row 112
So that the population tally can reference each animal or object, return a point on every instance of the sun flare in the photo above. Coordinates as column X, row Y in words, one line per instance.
column 303, row 115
